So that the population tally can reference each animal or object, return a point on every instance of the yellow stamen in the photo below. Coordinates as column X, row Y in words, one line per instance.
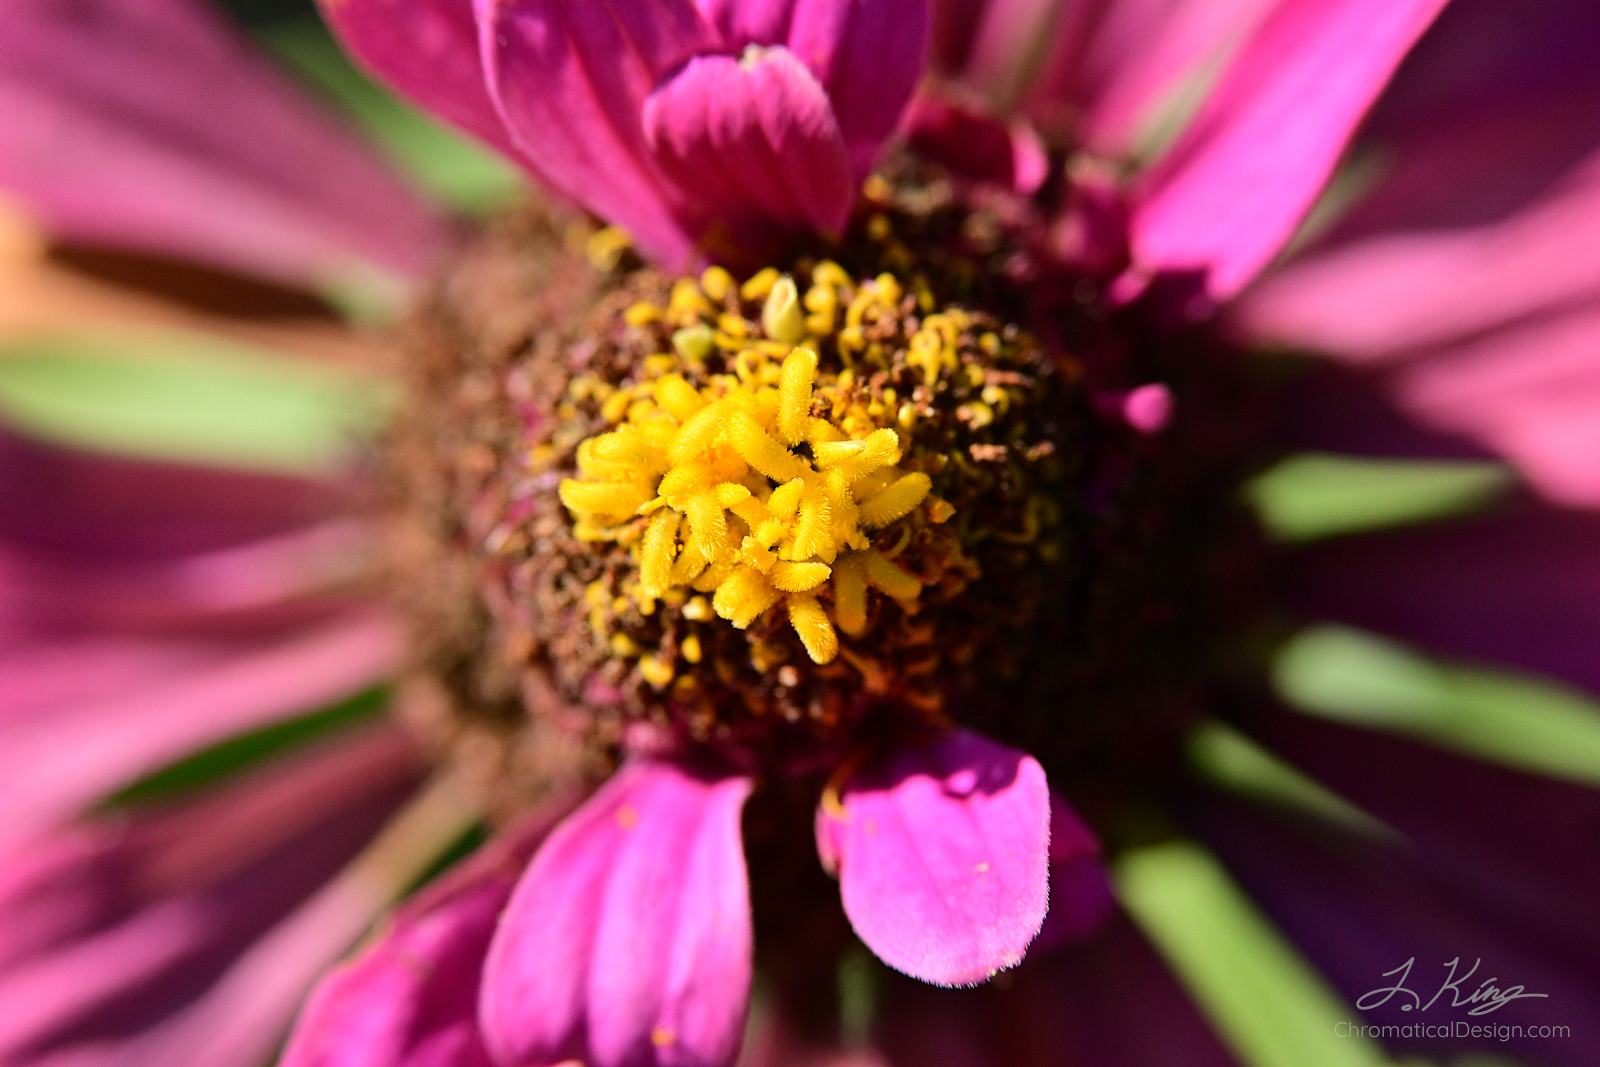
column 794, row 400
column 811, row 623
column 896, row 501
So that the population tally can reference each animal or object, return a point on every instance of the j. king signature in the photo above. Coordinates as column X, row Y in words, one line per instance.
column 1487, row 997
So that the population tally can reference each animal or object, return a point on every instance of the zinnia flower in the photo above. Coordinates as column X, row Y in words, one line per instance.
column 876, row 505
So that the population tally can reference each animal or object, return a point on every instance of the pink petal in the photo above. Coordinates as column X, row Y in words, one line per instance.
column 290, row 578
column 1485, row 211
column 1080, row 890
column 1377, row 299
column 1530, row 392
column 111, row 507
column 1230, row 194
column 427, row 51
column 1115, row 63
column 570, row 82
column 994, row 47
column 1533, row 601
column 943, row 857
column 757, row 138
column 1110, row 1002
column 411, row 999
column 627, row 942
column 976, row 146
column 869, row 56
column 117, row 926
column 66, row 740
column 147, row 124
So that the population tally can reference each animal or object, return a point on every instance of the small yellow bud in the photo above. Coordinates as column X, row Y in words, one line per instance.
column 781, row 316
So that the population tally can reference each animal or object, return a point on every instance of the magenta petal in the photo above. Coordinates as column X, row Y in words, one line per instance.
column 1081, row 899
column 427, row 51
column 273, row 582
column 1533, row 602
column 1231, row 192
column 755, row 140
column 116, row 930
column 1115, row 63
column 1423, row 284
column 869, row 56
column 943, row 857
column 1530, row 392
column 570, row 81
column 74, row 726
column 976, row 146
column 104, row 506
column 147, row 124
column 411, row 999
column 627, row 942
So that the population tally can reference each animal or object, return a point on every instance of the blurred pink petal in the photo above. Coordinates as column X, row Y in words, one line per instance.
column 1148, row 52
column 1482, row 55
column 112, row 507
column 302, row 576
column 1148, row 408
column 1080, row 889
column 1109, row 1001
column 1530, row 392
column 411, row 999
column 1359, row 908
column 627, row 942
column 994, row 47
column 63, row 747
column 147, row 124
column 1231, row 192
column 943, row 857
column 976, row 146
column 1115, row 63
column 1533, row 600
column 758, row 137
column 111, row 929
column 1473, row 260
column 868, row 55
column 1426, row 285
column 570, row 83
column 427, row 51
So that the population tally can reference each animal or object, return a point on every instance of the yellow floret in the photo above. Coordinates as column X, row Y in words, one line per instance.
column 896, row 501
column 816, row 632
column 794, row 405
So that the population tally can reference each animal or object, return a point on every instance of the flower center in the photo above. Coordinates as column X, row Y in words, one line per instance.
column 850, row 496
column 794, row 490
column 783, row 461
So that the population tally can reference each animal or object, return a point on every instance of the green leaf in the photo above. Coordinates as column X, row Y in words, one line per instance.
column 1229, row 759
column 186, row 397
column 239, row 753
column 1517, row 720
column 1315, row 494
column 1263, row 997
column 444, row 164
